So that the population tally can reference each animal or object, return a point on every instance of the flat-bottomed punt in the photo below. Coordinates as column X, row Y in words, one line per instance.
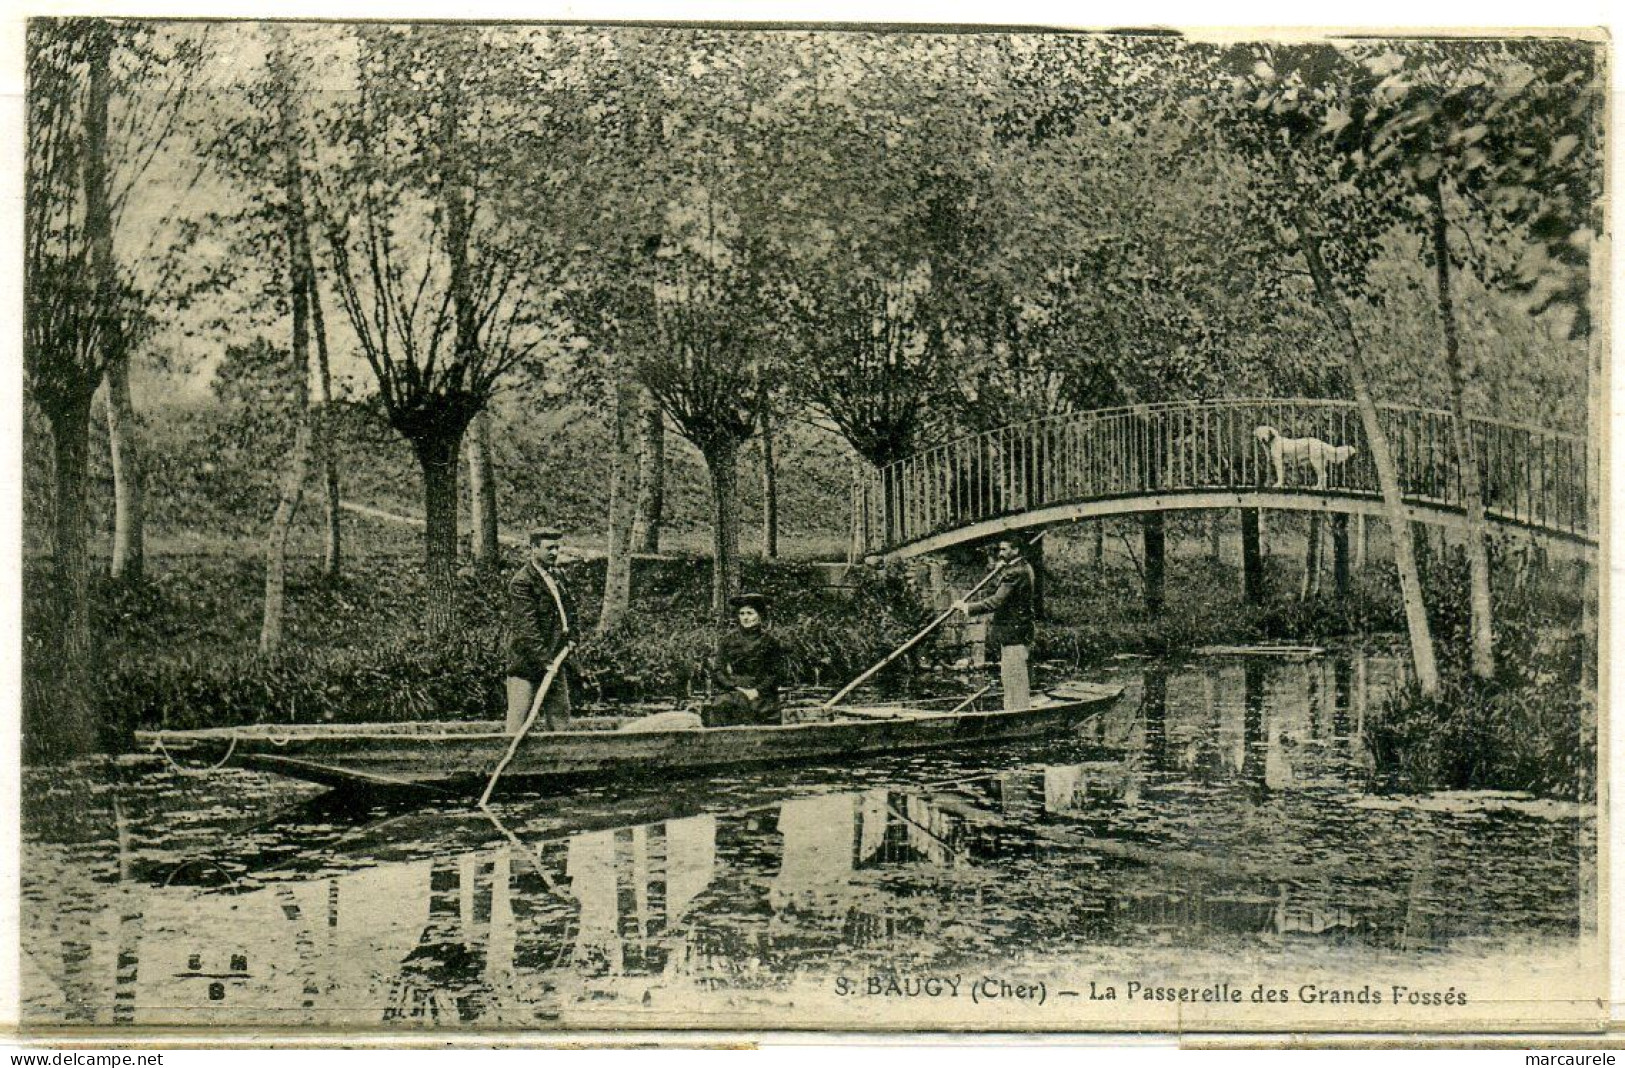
column 460, row 757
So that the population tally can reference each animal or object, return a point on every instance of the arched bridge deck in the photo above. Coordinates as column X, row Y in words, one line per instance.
column 1207, row 455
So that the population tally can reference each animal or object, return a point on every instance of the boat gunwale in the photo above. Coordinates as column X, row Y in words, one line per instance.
column 323, row 732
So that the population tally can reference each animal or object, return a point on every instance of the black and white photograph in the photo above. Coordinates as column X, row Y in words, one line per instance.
column 533, row 528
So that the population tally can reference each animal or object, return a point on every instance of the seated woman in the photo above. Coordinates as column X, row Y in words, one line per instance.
column 748, row 671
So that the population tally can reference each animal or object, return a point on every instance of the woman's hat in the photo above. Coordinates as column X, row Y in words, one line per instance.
column 748, row 600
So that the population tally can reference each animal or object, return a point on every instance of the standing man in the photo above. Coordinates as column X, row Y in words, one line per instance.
column 540, row 615
column 1011, row 604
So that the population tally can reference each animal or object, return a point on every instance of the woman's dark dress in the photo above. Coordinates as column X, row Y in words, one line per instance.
column 752, row 660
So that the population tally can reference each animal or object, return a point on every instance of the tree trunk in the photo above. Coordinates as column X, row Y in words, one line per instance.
column 437, row 457
column 482, row 493
column 1156, row 559
column 66, row 727
column 1472, row 495
column 722, row 462
column 299, row 287
column 1410, row 584
column 1215, row 536
column 129, row 505
column 1252, row 557
column 1310, row 586
column 1097, row 550
column 276, row 542
column 325, row 439
column 770, row 486
column 438, row 449
column 623, row 496
column 1340, row 554
column 651, row 480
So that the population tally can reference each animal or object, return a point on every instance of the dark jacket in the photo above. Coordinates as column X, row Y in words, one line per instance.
column 752, row 659
column 1011, row 603
column 536, row 628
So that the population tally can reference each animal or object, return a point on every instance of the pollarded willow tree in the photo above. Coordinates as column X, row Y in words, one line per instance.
column 101, row 108
column 444, row 290
column 702, row 358
column 677, row 233
column 885, row 257
column 75, row 320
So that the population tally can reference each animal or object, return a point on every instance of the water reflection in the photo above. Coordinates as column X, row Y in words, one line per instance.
column 1223, row 821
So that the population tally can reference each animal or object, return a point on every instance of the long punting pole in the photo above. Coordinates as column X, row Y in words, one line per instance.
column 929, row 627
column 530, row 720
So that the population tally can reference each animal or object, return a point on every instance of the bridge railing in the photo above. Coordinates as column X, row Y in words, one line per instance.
column 1528, row 475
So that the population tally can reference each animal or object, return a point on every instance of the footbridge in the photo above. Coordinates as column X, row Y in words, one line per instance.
column 1209, row 454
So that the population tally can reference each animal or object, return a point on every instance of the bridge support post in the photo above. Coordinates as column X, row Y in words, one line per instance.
column 1252, row 557
column 1156, row 558
column 1340, row 553
column 1311, row 560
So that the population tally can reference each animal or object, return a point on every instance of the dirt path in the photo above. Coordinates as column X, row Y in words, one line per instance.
column 504, row 537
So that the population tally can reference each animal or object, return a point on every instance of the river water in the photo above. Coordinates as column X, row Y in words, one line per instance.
column 1215, row 827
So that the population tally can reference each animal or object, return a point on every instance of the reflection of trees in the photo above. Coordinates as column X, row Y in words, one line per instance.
column 1342, row 669
column 1209, row 764
column 633, row 886
column 506, row 930
column 1154, row 710
column 1188, row 905
column 1253, row 745
column 443, row 979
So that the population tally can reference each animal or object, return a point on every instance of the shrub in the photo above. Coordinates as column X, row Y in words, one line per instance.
column 1476, row 736
column 1532, row 727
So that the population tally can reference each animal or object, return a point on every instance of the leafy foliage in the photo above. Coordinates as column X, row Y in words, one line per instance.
column 1532, row 727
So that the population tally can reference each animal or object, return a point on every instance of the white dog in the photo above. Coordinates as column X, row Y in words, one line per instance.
column 1295, row 452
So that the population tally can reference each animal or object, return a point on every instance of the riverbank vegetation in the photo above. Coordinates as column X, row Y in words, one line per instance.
column 179, row 648
column 1531, row 727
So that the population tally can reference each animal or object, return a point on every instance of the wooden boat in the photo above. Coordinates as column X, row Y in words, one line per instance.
column 459, row 757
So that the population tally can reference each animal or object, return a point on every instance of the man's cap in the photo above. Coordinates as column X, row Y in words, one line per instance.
column 539, row 535
column 749, row 600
